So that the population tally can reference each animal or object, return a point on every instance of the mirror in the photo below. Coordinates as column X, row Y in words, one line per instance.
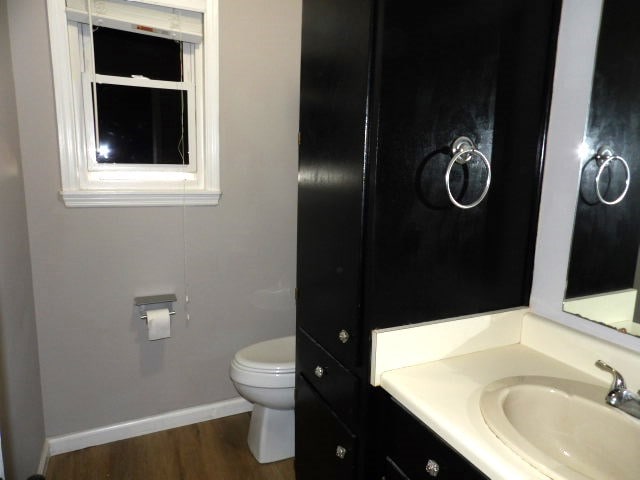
column 603, row 278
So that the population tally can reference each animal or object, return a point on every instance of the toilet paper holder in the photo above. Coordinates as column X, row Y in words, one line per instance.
column 154, row 302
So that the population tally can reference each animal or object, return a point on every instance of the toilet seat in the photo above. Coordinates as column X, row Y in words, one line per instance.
column 270, row 356
column 269, row 364
column 261, row 378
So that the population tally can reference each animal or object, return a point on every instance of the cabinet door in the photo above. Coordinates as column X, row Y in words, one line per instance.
column 333, row 102
column 419, row 453
column 325, row 448
column 336, row 51
column 480, row 69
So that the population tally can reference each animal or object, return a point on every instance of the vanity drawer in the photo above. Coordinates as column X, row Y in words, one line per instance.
column 337, row 386
column 412, row 447
column 325, row 448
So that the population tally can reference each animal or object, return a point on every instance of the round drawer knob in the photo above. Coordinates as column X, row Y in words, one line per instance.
column 432, row 468
column 319, row 371
column 343, row 336
column 341, row 452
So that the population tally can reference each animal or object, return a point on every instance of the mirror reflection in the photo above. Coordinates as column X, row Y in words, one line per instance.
column 603, row 278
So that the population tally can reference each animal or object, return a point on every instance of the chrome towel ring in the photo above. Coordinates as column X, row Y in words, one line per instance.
column 605, row 158
column 463, row 150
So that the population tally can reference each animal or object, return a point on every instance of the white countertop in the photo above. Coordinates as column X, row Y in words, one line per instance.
column 444, row 390
column 445, row 395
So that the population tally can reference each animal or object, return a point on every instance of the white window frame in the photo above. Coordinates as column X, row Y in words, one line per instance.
column 87, row 183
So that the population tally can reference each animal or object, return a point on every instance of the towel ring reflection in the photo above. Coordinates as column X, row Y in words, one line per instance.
column 605, row 158
column 464, row 150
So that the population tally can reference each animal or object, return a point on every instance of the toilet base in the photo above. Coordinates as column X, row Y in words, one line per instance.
column 271, row 434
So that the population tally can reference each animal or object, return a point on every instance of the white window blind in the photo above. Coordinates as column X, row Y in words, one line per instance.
column 169, row 19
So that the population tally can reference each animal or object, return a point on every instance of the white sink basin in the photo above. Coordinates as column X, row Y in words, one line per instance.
column 563, row 428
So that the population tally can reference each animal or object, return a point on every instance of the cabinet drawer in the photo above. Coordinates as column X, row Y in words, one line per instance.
column 411, row 446
column 325, row 448
column 337, row 386
column 339, row 337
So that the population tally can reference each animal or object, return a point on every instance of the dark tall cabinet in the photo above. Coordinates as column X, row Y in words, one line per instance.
column 388, row 233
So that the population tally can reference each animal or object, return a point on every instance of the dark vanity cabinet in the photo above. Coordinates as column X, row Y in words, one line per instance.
column 422, row 127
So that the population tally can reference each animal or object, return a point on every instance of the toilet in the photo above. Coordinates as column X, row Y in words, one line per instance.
column 264, row 374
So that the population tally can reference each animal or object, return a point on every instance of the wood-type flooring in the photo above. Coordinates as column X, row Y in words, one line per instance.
column 214, row 450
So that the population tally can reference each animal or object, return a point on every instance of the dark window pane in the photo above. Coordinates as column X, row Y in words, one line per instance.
column 142, row 125
column 124, row 54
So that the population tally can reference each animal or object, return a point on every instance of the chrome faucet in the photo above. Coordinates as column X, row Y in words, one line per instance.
column 620, row 396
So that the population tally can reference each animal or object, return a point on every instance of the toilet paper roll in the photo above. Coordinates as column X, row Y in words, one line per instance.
column 159, row 323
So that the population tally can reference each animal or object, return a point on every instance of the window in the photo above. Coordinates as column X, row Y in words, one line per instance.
column 136, row 94
column 144, row 99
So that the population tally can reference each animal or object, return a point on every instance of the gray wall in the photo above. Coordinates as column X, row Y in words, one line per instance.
column 21, row 420
column 89, row 263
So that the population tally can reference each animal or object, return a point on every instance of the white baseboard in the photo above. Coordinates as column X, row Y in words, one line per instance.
column 120, row 431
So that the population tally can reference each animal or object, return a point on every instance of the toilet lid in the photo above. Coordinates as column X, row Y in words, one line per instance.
column 278, row 355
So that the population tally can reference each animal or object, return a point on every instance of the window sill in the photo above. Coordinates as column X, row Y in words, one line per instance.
column 111, row 198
